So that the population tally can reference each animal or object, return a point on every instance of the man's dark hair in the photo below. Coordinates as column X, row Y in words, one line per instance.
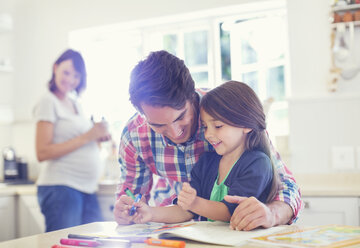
column 161, row 80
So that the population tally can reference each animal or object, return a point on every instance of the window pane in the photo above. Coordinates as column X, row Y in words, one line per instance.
column 196, row 48
column 170, row 43
column 276, row 83
column 252, row 79
column 201, row 79
column 225, row 53
column 248, row 54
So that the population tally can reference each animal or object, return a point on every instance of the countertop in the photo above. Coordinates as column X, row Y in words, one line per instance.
column 339, row 184
column 46, row 240
column 332, row 185
column 105, row 188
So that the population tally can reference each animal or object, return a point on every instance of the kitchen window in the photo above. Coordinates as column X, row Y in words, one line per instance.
column 250, row 47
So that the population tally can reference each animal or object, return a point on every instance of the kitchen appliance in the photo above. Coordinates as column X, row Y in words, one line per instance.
column 11, row 171
column 15, row 168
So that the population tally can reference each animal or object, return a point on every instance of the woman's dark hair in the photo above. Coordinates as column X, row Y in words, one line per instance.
column 161, row 80
column 236, row 104
column 79, row 66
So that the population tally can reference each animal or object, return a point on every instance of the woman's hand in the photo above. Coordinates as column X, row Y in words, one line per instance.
column 99, row 132
column 186, row 197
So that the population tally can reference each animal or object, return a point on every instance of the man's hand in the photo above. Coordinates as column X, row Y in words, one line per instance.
column 121, row 210
column 251, row 213
column 186, row 197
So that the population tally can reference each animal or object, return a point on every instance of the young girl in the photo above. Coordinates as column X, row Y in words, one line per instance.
column 234, row 123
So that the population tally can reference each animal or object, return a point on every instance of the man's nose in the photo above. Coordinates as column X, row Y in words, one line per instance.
column 175, row 130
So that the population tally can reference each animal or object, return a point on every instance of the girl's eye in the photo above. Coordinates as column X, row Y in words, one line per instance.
column 205, row 127
column 219, row 126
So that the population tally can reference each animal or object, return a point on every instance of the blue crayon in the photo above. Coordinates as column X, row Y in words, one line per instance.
column 133, row 208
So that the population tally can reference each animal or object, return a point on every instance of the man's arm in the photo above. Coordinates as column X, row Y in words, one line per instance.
column 135, row 175
column 281, row 212
column 251, row 213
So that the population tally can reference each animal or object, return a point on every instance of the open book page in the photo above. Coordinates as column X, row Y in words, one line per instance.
column 216, row 233
column 315, row 237
column 203, row 231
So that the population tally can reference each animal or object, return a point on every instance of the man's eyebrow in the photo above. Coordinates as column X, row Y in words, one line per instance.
column 179, row 117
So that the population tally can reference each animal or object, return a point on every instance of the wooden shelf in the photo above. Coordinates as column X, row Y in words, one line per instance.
column 334, row 25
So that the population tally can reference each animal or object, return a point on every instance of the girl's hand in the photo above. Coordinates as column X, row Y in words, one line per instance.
column 186, row 197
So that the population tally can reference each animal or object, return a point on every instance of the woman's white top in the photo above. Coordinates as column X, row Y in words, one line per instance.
column 79, row 169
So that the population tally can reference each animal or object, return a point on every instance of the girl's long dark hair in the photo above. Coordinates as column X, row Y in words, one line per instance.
column 236, row 104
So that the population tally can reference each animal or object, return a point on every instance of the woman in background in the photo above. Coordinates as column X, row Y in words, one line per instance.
column 67, row 141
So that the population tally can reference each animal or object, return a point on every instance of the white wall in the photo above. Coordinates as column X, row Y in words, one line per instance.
column 319, row 120
column 40, row 34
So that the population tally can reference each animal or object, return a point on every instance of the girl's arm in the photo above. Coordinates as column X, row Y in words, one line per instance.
column 188, row 200
column 46, row 149
column 169, row 214
column 213, row 210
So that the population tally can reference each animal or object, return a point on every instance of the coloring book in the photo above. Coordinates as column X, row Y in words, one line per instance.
column 330, row 236
column 203, row 231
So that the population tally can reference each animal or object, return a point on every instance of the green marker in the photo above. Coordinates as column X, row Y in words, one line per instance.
column 129, row 193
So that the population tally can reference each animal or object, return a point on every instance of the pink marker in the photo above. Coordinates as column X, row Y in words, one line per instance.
column 80, row 242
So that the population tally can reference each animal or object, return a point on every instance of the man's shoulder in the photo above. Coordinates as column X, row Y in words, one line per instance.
column 137, row 123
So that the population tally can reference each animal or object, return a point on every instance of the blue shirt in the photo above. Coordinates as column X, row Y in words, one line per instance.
column 251, row 176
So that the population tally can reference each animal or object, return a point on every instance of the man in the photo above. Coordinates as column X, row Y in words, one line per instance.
column 165, row 138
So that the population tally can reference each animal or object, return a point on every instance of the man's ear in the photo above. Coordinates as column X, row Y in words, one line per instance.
column 54, row 68
column 247, row 130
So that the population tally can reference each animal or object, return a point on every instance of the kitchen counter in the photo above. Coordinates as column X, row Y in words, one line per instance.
column 10, row 190
column 343, row 185
column 105, row 188
column 310, row 185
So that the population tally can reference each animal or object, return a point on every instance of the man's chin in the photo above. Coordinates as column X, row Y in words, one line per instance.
column 180, row 140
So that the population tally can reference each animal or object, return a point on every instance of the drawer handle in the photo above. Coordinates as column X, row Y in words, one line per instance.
column 306, row 204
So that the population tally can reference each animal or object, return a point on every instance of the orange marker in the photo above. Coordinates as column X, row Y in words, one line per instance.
column 166, row 243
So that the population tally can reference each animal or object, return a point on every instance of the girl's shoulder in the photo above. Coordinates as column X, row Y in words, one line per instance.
column 210, row 155
column 255, row 156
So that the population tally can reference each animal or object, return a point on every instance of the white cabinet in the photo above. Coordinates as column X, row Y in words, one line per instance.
column 107, row 206
column 7, row 217
column 330, row 210
column 30, row 219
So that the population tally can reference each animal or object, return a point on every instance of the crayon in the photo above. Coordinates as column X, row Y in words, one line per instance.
column 166, row 243
column 129, row 193
column 133, row 208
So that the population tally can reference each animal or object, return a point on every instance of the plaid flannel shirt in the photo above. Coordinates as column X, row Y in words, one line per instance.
column 143, row 154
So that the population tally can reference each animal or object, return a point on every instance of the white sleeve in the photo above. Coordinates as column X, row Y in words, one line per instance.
column 45, row 109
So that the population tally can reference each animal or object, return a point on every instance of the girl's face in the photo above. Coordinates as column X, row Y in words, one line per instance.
column 226, row 139
column 66, row 77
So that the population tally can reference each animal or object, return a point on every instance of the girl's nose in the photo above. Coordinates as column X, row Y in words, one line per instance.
column 208, row 134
